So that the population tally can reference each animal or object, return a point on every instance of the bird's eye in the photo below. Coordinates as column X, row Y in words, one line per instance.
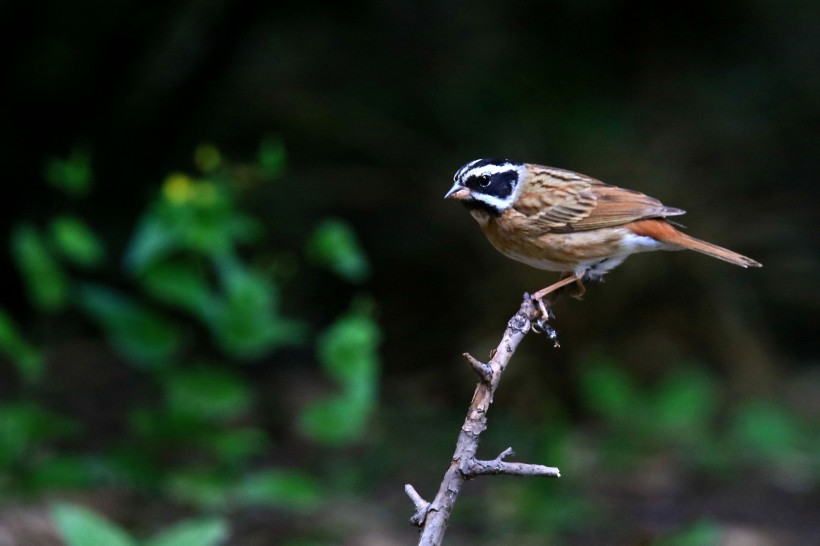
column 484, row 181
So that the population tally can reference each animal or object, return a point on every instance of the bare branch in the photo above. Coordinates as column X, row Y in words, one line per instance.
column 433, row 517
column 497, row 466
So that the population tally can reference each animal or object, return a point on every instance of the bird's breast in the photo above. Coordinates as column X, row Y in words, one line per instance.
column 557, row 251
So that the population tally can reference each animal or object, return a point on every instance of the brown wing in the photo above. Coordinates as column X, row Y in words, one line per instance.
column 555, row 200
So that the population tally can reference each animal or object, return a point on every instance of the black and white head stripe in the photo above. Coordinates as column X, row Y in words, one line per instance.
column 496, row 183
column 484, row 167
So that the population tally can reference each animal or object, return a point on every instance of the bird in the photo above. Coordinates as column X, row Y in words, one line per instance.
column 559, row 220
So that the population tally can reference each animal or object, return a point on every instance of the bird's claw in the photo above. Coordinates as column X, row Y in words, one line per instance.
column 546, row 312
column 542, row 325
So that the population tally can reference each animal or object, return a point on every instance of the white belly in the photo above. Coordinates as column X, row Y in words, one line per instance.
column 593, row 268
column 631, row 244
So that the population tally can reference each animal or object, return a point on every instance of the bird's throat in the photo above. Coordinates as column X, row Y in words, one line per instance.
column 481, row 210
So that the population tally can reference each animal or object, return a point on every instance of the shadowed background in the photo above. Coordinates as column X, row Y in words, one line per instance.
column 365, row 111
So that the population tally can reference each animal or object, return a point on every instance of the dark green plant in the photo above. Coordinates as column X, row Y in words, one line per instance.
column 29, row 460
column 80, row 526
column 680, row 415
column 348, row 352
column 189, row 306
column 699, row 533
column 27, row 358
column 677, row 415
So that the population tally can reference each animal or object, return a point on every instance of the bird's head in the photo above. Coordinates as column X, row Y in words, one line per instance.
column 489, row 185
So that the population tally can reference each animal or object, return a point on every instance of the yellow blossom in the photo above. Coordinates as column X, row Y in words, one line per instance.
column 178, row 188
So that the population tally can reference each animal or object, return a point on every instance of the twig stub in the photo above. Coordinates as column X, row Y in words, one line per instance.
column 422, row 506
column 498, row 466
column 484, row 371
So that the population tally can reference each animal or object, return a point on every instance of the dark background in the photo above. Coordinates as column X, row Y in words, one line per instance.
column 713, row 108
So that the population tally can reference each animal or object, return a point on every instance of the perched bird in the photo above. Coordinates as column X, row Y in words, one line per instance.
column 558, row 220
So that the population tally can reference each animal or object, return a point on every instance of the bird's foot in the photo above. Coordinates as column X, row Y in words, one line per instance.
column 542, row 325
column 579, row 295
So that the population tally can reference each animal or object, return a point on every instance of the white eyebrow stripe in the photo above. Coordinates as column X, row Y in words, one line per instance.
column 487, row 170
column 466, row 168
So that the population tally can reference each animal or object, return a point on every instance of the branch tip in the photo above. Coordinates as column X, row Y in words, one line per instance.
column 422, row 506
column 504, row 454
column 476, row 467
column 483, row 370
column 418, row 501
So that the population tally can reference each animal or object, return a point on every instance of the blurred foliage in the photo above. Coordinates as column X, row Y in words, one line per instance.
column 27, row 358
column 190, row 261
column 28, row 436
column 140, row 333
column 334, row 246
column 82, row 527
column 348, row 352
column 646, row 435
column 76, row 242
column 43, row 276
column 700, row 533
column 679, row 412
column 682, row 414
column 73, row 175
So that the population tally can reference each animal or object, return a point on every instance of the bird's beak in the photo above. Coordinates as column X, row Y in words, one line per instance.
column 457, row 192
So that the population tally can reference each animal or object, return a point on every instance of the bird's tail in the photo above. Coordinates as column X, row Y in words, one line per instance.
column 667, row 234
column 687, row 241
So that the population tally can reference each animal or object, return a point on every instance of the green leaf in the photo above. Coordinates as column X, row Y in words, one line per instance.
column 700, row 533
column 686, row 403
column 279, row 488
column 767, row 430
column 348, row 352
column 199, row 488
column 133, row 464
column 182, row 284
column 236, row 446
column 610, row 392
column 63, row 472
column 245, row 322
column 200, row 215
column 25, row 425
column 44, row 279
column 27, row 358
column 334, row 245
column 199, row 532
column 81, row 527
column 76, row 242
column 151, row 242
column 272, row 156
column 159, row 428
column 141, row 335
column 190, row 215
column 72, row 175
column 335, row 420
column 207, row 393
